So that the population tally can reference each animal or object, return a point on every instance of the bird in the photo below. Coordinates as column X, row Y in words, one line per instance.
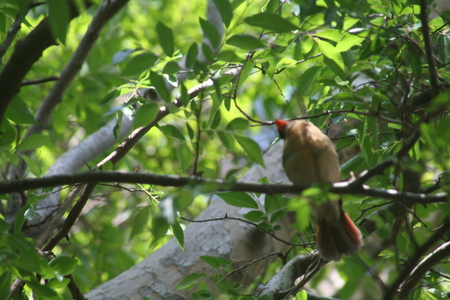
column 309, row 156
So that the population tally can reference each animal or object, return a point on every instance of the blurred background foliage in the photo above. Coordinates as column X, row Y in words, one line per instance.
column 347, row 55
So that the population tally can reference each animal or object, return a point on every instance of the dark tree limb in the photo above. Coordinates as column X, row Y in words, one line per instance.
column 26, row 52
column 414, row 262
column 211, row 185
column 428, row 48
column 423, row 266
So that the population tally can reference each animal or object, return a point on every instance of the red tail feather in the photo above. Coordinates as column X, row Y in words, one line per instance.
column 336, row 239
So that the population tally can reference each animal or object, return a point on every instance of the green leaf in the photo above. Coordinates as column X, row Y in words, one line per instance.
column 207, row 52
column 171, row 68
column 33, row 141
column 32, row 165
column 20, row 218
column 226, row 139
column 332, row 54
column 255, row 216
column 238, row 199
column 110, row 96
column 64, row 265
column 228, row 56
column 146, row 114
column 213, row 261
column 245, row 71
column 191, row 55
column 302, row 295
column 56, row 283
column 59, row 18
column 160, row 85
column 140, row 221
column 334, row 35
column 252, row 148
column 5, row 283
column 178, row 233
column 139, row 63
column 185, row 98
column 159, row 227
column 190, row 280
column 18, row 112
column 172, row 131
column 8, row 136
column 116, row 129
column 246, row 42
column 43, row 291
column 302, row 210
column 238, row 123
column 210, row 31
column 210, row 260
column 121, row 55
column 348, row 41
column 185, row 154
column 226, row 11
column 271, row 21
column 307, row 79
column 165, row 38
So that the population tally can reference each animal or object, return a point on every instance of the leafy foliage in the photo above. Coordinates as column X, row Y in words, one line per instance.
column 361, row 69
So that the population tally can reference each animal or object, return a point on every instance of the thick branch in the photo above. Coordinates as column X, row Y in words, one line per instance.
column 425, row 264
column 26, row 52
column 210, row 185
column 295, row 268
column 428, row 48
column 412, row 264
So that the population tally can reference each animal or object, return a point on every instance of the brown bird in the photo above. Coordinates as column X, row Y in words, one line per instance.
column 309, row 156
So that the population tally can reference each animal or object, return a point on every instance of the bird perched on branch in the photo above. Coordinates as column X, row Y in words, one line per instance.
column 309, row 156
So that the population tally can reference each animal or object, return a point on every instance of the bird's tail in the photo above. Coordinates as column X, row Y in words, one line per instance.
column 334, row 239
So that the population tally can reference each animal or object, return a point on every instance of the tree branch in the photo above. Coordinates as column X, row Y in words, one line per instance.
column 413, row 263
column 295, row 268
column 428, row 48
column 211, row 185
column 422, row 267
column 26, row 52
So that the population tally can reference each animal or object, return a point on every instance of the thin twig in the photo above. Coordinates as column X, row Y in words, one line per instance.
column 38, row 81
column 428, row 47
column 248, row 222
column 245, row 266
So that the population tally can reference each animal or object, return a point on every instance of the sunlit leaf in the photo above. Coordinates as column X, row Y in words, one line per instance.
column 139, row 64
column 19, row 113
column 246, row 42
column 271, row 21
column 238, row 123
column 64, row 265
column 159, row 83
column 185, row 154
column 210, row 31
column 33, row 141
column 165, row 38
column 140, row 221
column 146, row 114
column 191, row 55
column 178, row 233
column 190, row 280
column 59, row 18
column 172, row 131
column 307, row 79
column 226, row 11
column 239, row 199
column 252, row 148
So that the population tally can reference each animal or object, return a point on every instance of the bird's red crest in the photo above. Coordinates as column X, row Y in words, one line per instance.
column 281, row 124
